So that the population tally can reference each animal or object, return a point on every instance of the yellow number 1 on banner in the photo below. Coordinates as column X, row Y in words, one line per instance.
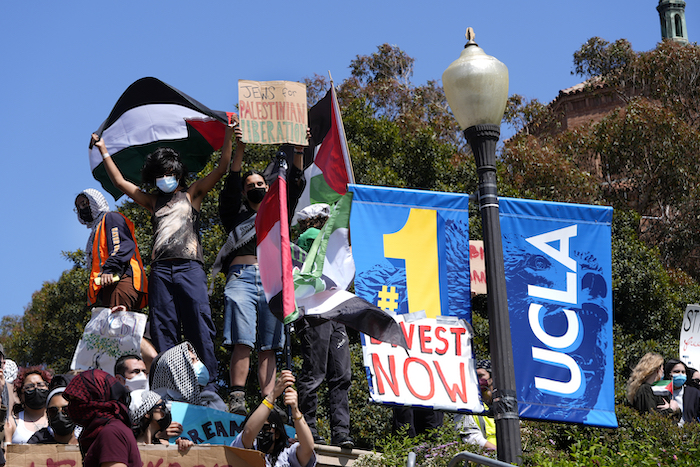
column 416, row 243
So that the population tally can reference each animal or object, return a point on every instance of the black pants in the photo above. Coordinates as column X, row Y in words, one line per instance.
column 326, row 353
column 418, row 420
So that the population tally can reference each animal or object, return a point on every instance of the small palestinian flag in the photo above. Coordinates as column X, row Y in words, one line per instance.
column 151, row 114
column 663, row 387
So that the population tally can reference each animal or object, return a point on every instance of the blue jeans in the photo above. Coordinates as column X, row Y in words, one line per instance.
column 247, row 316
column 178, row 302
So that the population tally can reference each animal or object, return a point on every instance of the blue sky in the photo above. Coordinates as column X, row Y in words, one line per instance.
column 64, row 64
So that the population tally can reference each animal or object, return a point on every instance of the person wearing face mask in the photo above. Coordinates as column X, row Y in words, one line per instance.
column 61, row 429
column 150, row 418
column 264, row 429
column 248, row 322
column 130, row 370
column 178, row 299
column 32, row 388
column 640, row 392
column 675, row 370
column 178, row 375
column 691, row 397
column 480, row 429
column 117, row 277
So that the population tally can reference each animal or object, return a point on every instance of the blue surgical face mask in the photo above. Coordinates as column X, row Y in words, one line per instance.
column 202, row 373
column 679, row 380
column 167, row 184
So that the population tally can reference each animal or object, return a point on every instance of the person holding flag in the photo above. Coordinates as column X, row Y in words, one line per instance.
column 248, row 322
column 325, row 348
column 178, row 298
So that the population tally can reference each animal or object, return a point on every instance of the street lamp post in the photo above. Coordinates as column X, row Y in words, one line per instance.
column 476, row 87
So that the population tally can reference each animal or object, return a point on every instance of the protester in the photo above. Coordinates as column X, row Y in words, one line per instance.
column 117, row 276
column 248, row 322
column 480, row 429
column 150, row 418
column 130, row 370
column 675, row 370
column 4, row 398
column 178, row 375
column 640, row 392
column 691, row 397
column 264, row 429
column 325, row 349
column 61, row 429
column 178, row 299
column 99, row 403
column 29, row 415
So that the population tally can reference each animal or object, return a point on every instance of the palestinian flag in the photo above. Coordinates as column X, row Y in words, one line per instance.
column 273, row 250
column 663, row 387
column 322, row 277
column 330, row 172
column 151, row 114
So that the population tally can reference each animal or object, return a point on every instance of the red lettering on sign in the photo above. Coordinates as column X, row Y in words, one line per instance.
column 390, row 378
column 408, row 381
column 458, row 339
column 453, row 391
column 438, row 331
column 424, row 339
column 475, row 252
column 409, row 336
column 479, row 276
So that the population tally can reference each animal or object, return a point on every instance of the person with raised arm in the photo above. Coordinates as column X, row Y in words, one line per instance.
column 178, row 298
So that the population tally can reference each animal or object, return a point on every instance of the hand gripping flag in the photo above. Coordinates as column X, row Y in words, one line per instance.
column 151, row 114
column 274, row 254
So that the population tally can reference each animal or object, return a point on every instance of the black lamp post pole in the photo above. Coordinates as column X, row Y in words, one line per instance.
column 483, row 139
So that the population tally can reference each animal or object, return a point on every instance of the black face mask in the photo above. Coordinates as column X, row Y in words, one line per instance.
column 36, row 398
column 61, row 424
column 256, row 195
column 266, row 440
column 85, row 214
column 165, row 422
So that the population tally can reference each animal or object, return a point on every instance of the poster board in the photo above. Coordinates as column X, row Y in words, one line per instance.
column 477, row 267
column 689, row 350
column 108, row 336
column 55, row 455
column 273, row 112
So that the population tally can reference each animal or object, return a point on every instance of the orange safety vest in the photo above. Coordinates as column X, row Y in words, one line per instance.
column 100, row 253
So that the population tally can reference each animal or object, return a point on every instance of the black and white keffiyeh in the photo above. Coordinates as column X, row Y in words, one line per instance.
column 172, row 372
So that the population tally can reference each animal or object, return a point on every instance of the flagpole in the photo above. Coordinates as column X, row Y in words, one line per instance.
column 341, row 132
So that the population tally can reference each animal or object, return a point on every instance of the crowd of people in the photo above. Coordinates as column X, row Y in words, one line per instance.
column 108, row 415
column 670, row 388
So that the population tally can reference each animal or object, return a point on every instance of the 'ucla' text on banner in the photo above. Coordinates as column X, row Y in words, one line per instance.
column 559, row 282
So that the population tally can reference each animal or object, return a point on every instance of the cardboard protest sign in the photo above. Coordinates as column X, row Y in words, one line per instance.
column 690, row 336
column 437, row 371
column 108, row 336
column 273, row 112
column 203, row 425
column 55, row 455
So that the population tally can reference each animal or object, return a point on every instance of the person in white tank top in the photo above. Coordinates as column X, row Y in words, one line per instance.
column 32, row 388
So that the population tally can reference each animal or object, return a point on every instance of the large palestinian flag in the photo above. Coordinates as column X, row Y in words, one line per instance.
column 151, row 114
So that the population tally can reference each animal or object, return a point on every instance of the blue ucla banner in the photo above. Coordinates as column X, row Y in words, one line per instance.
column 558, row 265
column 411, row 250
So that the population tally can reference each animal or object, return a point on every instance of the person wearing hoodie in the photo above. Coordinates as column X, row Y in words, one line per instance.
column 117, row 277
